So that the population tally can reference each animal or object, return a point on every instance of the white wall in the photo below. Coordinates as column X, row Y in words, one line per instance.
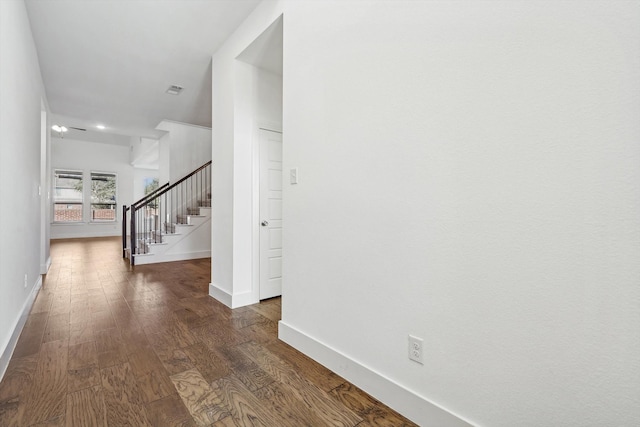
column 267, row 99
column 468, row 174
column 471, row 173
column 244, row 98
column 258, row 103
column 145, row 158
column 21, row 99
column 145, row 152
column 45, row 185
column 93, row 157
column 139, row 177
column 189, row 148
column 164, row 163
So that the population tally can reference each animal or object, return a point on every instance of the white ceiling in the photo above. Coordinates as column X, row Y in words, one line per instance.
column 110, row 61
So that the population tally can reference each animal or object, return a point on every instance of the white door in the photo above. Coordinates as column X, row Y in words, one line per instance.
column 270, row 214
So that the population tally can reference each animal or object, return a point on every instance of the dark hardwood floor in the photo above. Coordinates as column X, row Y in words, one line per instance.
column 106, row 344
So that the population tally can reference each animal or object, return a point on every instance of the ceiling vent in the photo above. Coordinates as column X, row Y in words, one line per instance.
column 174, row 90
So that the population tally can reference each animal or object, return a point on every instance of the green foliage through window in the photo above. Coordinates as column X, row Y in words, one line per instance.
column 103, row 196
column 151, row 185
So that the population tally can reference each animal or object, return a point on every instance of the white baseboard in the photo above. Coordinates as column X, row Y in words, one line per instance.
column 230, row 300
column 7, row 352
column 220, row 294
column 82, row 234
column 408, row 403
column 156, row 258
column 44, row 268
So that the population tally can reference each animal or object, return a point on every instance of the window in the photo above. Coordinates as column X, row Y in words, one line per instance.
column 150, row 185
column 103, row 197
column 67, row 197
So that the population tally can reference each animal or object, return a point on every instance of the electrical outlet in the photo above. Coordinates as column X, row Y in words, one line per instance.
column 415, row 349
column 26, row 280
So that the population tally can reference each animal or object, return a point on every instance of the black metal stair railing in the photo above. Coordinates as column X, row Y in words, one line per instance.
column 126, row 209
column 158, row 213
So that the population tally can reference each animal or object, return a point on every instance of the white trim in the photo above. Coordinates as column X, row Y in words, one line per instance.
column 90, row 219
column 255, row 214
column 270, row 126
column 407, row 402
column 68, row 222
column 230, row 300
column 180, row 123
column 156, row 258
column 17, row 330
column 44, row 268
column 58, row 233
column 45, row 227
column 220, row 294
column 245, row 298
column 52, row 201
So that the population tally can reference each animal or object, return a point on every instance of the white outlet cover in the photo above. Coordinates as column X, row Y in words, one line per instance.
column 416, row 347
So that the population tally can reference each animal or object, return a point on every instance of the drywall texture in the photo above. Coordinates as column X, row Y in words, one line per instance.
column 189, row 148
column 21, row 99
column 468, row 173
column 93, row 157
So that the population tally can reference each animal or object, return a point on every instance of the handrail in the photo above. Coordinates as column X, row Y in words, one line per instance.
column 150, row 195
column 158, row 212
column 175, row 184
column 126, row 209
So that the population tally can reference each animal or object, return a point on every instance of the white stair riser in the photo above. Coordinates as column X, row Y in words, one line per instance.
column 190, row 241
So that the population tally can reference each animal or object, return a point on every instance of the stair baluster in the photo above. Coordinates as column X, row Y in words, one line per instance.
column 153, row 216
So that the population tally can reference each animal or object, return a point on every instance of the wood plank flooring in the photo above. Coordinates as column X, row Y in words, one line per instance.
column 110, row 345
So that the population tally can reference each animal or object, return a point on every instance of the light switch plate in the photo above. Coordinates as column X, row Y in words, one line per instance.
column 293, row 175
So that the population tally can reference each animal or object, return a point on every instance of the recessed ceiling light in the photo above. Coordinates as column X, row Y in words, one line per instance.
column 59, row 128
column 100, row 126
column 174, row 90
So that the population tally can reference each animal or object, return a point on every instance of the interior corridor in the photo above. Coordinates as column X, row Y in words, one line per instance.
column 106, row 344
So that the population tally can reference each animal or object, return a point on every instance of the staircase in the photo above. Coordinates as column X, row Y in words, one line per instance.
column 171, row 224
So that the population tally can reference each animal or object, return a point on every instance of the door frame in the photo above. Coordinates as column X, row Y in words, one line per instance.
column 255, row 203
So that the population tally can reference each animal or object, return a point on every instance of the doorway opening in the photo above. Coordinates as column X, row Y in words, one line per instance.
column 259, row 113
column 270, row 208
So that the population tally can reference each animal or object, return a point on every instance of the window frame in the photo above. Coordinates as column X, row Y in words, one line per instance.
column 92, row 219
column 54, row 200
